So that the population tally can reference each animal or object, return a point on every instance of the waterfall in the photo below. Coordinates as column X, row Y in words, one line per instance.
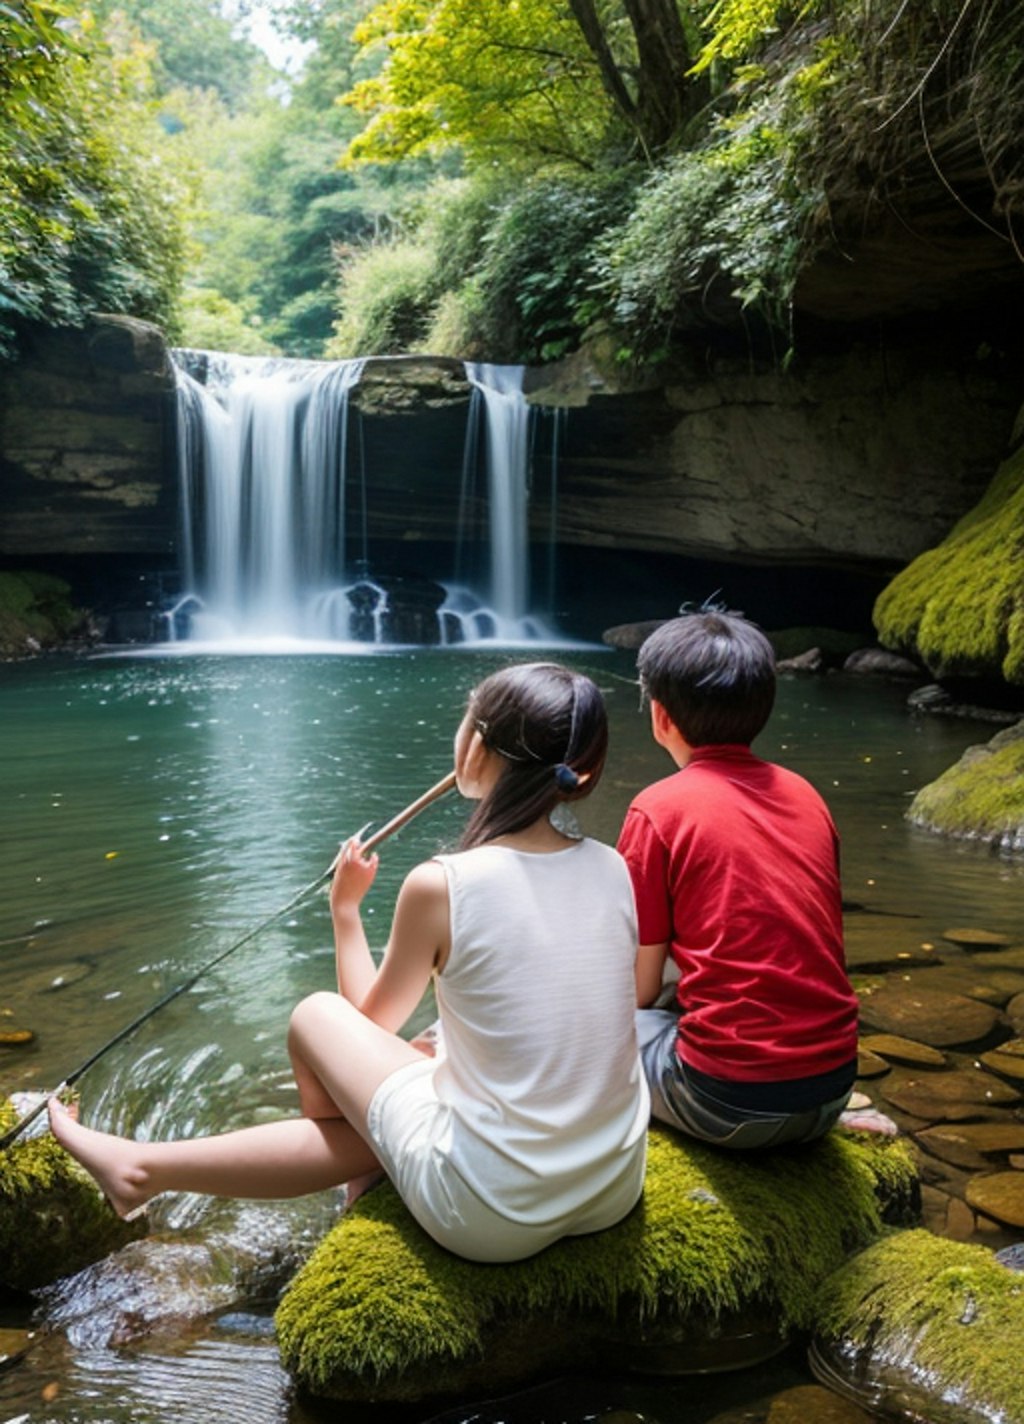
column 265, row 552
column 262, row 449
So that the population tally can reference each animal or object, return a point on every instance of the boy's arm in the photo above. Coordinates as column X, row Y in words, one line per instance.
column 650, row 968
column 646, row 858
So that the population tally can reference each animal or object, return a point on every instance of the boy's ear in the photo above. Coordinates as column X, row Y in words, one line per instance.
column 662, row 725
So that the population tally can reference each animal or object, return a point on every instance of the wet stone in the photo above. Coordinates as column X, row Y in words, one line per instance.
column 1000, row 1195
column 967, row 1144
column 934, row 1017
column 869, row 1065
column 1012, row 1256
column 808, row 1402
column 950, row 1096
column 15, row 1037
column 903, row 1050
column 1007, row 1059
column 946, row 1215
column 14, row 1344
column 1015, row 1012
column 977, row 939
column 1017, row 1161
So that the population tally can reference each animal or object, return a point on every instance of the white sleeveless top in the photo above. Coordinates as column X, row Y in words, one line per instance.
column 537, row 1004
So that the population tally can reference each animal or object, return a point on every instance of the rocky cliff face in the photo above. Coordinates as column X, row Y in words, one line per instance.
column 859, row 459
column 85, row 456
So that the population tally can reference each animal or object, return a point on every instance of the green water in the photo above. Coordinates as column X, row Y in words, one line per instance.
column 156, row 808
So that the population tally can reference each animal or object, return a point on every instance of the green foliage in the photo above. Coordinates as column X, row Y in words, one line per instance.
column 213, row 322
column 497, row 79
column 87, row 194
column 940, row 1317
column 381, row 1311
column 387, row 293
column 193, row 45
column 739, row 28
column 731, row 209
column 53, row 1219
column 35, row 612
column 960, row 606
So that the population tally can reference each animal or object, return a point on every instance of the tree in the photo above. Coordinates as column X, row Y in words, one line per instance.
column 88, row 195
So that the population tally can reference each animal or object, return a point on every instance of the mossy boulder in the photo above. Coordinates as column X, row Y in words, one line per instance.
column 960, row 607
column 925, row 1328
column 53, row 1218
column 981, row 797
column 722, row 1245
column 35, row 612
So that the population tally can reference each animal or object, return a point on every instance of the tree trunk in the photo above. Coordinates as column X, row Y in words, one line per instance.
column 666, row 96
column 611, row 76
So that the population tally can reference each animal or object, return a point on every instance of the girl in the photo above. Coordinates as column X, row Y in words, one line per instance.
column 530, row 1124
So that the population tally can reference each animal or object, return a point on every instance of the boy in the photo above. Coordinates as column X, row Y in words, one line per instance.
column 735, row 870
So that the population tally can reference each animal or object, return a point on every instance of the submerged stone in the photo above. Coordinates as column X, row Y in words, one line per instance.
column 1001, row 1194
column 937, row 1018
column 1007, row 1060
column 981, row 797
column 903, row 1050
column 928, row 1327
column 976, row 939
column 948, row 1096
column 967, row 1144
column 53, row 1218
column 713, row 1269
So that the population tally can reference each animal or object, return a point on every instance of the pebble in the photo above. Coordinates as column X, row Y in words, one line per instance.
column 1007, row 1059
column 946, row 1215
column 869, row 1065
column 966, row 1145
column 1015, row 1012
column 977, row 939
column 1000, row 1195
column 14, row 1344
column 806, row 1402
column 949, row 1096
column 904, row 1050
column 16, row 1037
column 932, row 1016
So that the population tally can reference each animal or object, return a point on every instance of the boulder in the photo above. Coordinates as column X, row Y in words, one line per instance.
column 981, row 798
column 957, row 606
column 926, row 1329
column 714, row 1268
column 53, row 1218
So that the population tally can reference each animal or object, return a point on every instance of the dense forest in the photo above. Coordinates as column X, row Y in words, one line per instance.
column 478, row 177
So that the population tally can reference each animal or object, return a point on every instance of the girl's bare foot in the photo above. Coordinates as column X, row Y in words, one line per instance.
column 867, row 1119
column 112, row 1161
column 355, row 1188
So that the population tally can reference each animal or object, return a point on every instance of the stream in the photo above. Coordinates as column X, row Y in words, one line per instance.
column 159, row 806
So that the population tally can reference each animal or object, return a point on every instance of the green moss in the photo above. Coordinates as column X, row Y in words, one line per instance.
column 34, row 606
column 960, row 607
column 53, row 1219
column 381, row 1311
column 982, row 796
column 937, row 1311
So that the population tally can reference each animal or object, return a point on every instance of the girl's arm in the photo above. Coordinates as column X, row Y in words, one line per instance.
column 418, row 940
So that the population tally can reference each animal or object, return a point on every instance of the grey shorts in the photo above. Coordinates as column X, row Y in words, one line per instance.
column 679, row 1102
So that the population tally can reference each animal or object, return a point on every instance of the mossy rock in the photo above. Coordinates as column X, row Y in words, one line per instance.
column 35, row 611
column 925, row 1328
column 721, row 1245
column 53, row 1218
column 960, row 607
column 981, row 797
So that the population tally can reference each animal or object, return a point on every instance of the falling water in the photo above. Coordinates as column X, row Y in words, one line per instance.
column 265, row 552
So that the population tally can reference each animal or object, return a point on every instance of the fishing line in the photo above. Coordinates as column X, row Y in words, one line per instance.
column 396, row 823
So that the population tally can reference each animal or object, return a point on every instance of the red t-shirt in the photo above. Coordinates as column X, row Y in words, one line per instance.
column 735, row 865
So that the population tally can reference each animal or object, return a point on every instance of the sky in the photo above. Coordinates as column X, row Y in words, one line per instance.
column 287, row 55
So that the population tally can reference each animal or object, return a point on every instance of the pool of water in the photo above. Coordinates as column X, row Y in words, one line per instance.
column 158, row 808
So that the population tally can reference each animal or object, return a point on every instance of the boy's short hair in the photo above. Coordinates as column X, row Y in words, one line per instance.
column 714, row 674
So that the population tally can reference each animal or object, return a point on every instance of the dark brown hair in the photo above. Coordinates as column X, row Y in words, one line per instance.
column 714, row 674
column 548, row 724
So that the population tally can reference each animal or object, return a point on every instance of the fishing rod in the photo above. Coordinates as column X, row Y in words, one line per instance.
column 441, row 788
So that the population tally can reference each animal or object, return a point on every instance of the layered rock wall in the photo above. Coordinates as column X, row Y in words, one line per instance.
column 86, row 452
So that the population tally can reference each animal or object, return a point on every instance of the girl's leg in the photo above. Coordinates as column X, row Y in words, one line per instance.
column 340, row 1059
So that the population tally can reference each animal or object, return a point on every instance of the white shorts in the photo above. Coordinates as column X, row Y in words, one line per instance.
column 413, row 1132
